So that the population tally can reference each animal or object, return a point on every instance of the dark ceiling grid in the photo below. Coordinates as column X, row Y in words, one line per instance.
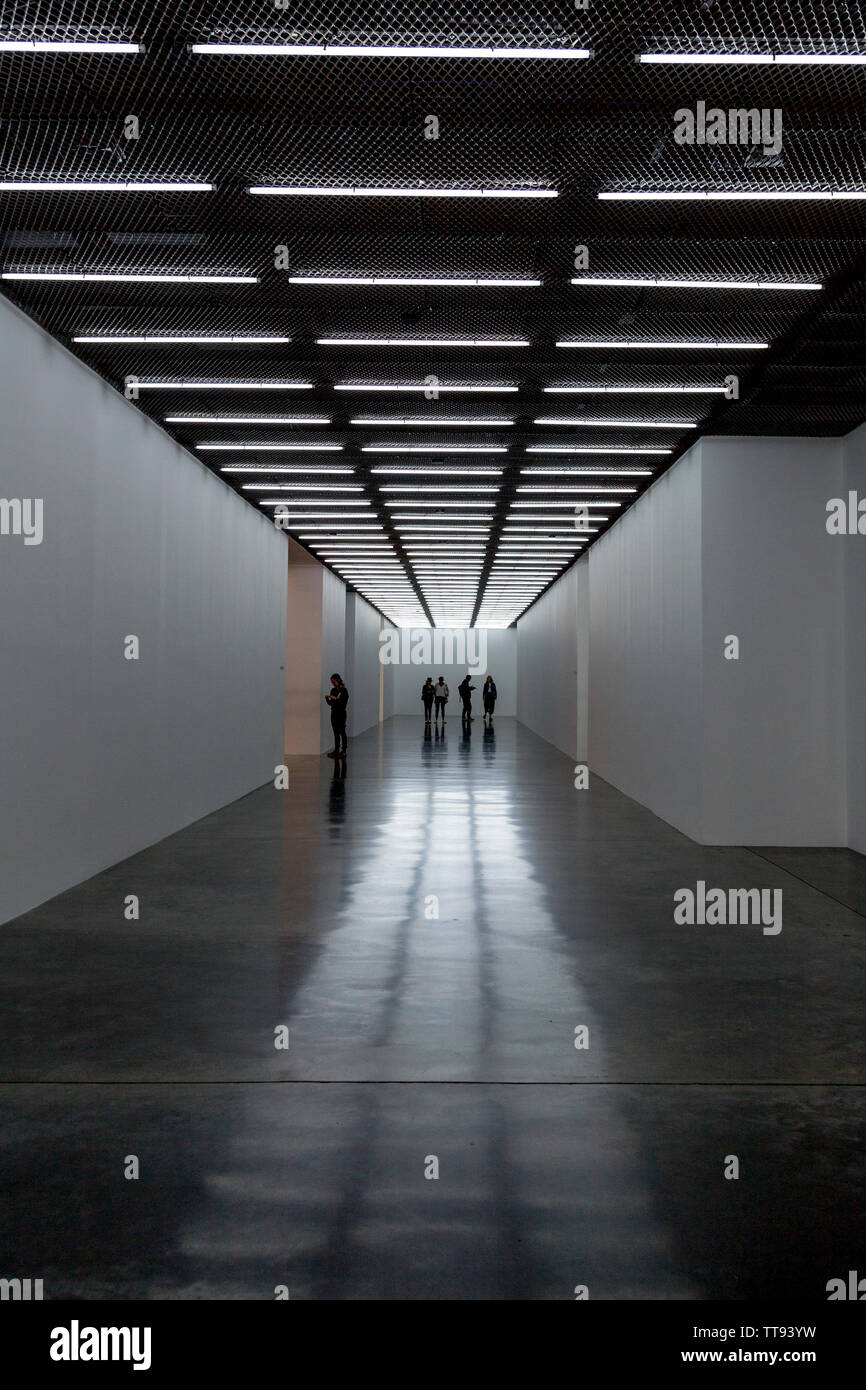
column 581, row 127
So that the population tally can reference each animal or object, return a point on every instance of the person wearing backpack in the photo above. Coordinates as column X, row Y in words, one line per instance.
column 441, row 693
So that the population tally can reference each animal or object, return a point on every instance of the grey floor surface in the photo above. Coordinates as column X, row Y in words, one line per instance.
column 431, row 929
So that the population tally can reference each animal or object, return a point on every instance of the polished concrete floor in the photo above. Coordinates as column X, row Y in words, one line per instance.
column 431, row 928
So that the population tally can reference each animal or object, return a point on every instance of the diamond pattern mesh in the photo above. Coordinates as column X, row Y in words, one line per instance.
column 580, row 127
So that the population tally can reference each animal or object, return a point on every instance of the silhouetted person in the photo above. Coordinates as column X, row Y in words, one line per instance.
column 338, row 698
column 427, row 695
column 488, row 695
column 441, row 692
column 464, row 690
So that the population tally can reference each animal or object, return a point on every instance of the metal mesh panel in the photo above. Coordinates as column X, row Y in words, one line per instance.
column 579, row 127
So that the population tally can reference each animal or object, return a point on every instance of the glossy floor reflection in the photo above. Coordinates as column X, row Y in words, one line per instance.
column 431, row 923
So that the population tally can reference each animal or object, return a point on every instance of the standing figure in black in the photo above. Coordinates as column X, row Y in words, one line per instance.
column 338, row 698
column 488, row 695
column 464, row 690
column 428, row 695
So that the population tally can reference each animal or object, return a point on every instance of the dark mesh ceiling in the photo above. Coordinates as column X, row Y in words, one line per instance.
column 579, row 127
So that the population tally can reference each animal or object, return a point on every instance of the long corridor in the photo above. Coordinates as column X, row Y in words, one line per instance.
column 429, row 1029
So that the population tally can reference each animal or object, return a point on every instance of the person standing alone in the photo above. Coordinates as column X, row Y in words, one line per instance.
column 338, row 699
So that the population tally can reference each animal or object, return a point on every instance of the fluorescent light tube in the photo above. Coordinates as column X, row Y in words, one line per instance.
column 309, row 487
column 225, row 385
column 573, row 472
column 296, row 506
column 634, row 390
column 90, row 276
column 821, row 59
column 474, row 283
column 171, row 340
column 413, row 471
column 739, row 195
column 548, row 503
column 67, row 46
column 437, row 487
column 619, row 424
column 575, row 449
column 757, row 59
column 336, row 50
column 635, row 343
column 441, row 502
column 269, row 448
column 247, row 420
column 656, row 284
column 299, row 520
column 424, row 342
column 719, row 59
column 285, row 468
column 586, row 487
column 433, row 424
column 355, row 191
column 432, row 449
column 441, row 390
column 46, row 186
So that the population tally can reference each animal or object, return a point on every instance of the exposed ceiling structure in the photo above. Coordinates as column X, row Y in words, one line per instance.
column 444, row 314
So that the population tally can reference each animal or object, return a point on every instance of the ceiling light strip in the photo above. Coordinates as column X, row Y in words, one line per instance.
column 336, row 50
column 89, row 186
column 357, row 191
column 734, row 195
column 620, row 281
column 131, row 279
column 669, row 344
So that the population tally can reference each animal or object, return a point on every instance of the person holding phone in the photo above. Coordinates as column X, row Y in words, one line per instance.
column 338, row 699
column 464, row 690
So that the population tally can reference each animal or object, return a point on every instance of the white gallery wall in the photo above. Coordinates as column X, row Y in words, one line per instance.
column 645, row 712
column 731, row 543
column 854, row 550
column 305, row 690
column 387, row 680
column 553, row 663
column 583, row 619
column 101, row 755
column 405, row 679
column 362, row 663
column 329, row 629
column 333, row 647
column 773, row 720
